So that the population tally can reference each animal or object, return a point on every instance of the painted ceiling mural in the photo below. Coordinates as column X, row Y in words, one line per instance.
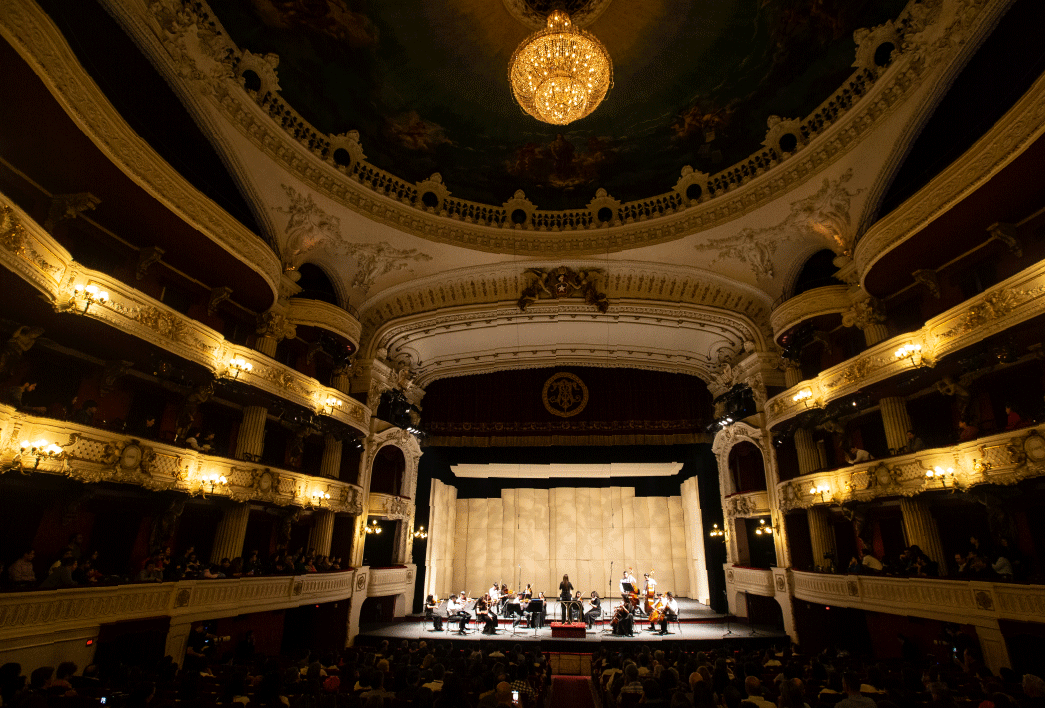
column 425, row 84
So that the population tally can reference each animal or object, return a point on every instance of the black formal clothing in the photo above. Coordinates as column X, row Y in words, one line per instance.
column 594, row 613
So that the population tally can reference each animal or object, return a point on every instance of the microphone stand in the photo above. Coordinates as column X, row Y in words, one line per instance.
column 729, row 630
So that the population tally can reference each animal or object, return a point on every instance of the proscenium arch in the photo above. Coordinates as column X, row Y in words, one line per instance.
column 658, row 336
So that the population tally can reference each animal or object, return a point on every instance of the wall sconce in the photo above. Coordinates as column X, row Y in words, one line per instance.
column 318, row 496
column 803, row 396
column 373, row 527
column 215, row 480
column 910, row 351
column 332, row 403
column 716, row 532
column 238, row 365
column 39, row 450
column 420, row 533
column 820, row 489
column 90, row 294
column 763, row 528
column 941, row 474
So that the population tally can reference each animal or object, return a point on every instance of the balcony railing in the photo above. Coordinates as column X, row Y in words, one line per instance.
column 756, row 581
column 812, row 303
column 94, row 455
column 389, row 505
column 964, row 601
column 1004, row 458
column 391, row 581
column 317, row 313
column 28, row 250
column 38, row 612
column 1013, row 301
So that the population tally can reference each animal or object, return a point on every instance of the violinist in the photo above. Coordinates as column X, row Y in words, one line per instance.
column 431, row 606
column 494, row 593
column 594, row 610
column 527, row 594
column 484, row 611
column 538, row 621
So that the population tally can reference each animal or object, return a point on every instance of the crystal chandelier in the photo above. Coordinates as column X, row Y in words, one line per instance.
column 560, row 73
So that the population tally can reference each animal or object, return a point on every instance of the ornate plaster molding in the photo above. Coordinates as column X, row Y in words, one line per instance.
column 489, row 284
column 191, row 43
column 29, row 30
column 1004, row 142
column 92, row 456
column 32, row 253
column 316, row 313
column 733, row 330
column 527, row 16
column 1006, row 458
column 828, row 300
column 1011, row 302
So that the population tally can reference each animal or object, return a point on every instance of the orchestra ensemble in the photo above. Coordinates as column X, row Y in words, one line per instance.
column 639, row 601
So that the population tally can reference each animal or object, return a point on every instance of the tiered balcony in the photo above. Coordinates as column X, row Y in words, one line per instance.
column 94, row 455
column 1013, row 301
column 754, row 581
column 28, row 250
column 42, row 612
column 962, row 601
column 391, row 581
column 1004, row 458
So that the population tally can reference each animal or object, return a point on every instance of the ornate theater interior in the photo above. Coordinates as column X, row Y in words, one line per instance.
column 315, row 309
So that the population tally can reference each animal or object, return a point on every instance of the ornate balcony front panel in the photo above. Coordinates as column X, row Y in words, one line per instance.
column 1013, row 301
column 389, row 506
column 94, row 455
column 1004, row 458
column 755, row 581
column 391, row 581
column 810, row 304
column 965, row 601
column 316, row 313
column 28, row 250
column 747, row 504
column 38, row 612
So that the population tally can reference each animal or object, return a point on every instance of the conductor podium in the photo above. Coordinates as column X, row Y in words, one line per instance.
column 568, row 630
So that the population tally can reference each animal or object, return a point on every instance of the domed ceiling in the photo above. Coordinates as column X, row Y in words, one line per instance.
column 425, row 84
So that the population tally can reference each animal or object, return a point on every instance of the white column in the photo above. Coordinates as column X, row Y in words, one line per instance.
column 992, row 646
column 266, row 345
column 821, row 453
column 821, row 536
column 792, row 373
column 322, row 532
column 875, row 332
column 921, row 530
column 251, row 437
column 358, row 596
column 895, row 420
column 232, row 529
column 330, row 465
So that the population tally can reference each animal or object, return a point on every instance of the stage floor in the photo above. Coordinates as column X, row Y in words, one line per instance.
column 698, row 623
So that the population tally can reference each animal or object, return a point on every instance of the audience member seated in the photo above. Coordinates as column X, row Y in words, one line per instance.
column 85, row 416
column 145, row 428
column 967, row 431
column 21, row 572
column 15, row 396
column 62, row 576
column 855, row 455
column 1013, row 419
column 914, row 443
column 150, row 574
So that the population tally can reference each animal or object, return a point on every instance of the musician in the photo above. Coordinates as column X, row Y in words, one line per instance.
column 649, row 585
column 484, row 611
column 494, row 592
column 431, row 606
column 527, row 594
column 512, row 606
column 594, row 610
column 623, row 620
column 627, row 579
column 538, row 621
column 669, row 612
column 656, row 612
column 456, row 612
column 577, row 607
column 565, row 594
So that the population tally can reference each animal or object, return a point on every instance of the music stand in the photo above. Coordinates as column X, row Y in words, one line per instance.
column 534, row 608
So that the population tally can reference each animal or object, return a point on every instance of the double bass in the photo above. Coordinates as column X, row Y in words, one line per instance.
column 651, row 588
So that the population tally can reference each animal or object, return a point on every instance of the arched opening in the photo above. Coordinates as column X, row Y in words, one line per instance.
column 389, row 468
column 884, row 54
column 788, row 142
column 342, row 158
column 818, row 272
column 315, row 285
column 605, row 215
column 694, row 191
column 251, row 81
column 747, row 468
column 430, row 200
column 519, row 217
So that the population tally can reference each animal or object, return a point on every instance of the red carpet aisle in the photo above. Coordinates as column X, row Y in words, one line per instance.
column 572, row 691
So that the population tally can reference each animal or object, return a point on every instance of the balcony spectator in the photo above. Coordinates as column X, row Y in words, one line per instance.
column 200, row 442
column 21, row 571
column 16, row 396
column 212, row 572
column 856, row 455
column 145, row 428
column 914, row 443
column 235, row 568
column 1012, row 418
column 252, row 566
column 75, row 546
column 226, row 567
column 1019, row 564
column 962, row 564
column 62, row 577
column 192, row 566
column 149, row 574
column 85, row 416
column 87, row 572
column 1002, row 567
column 926, row 568
column 967, row 431
column 870, row 562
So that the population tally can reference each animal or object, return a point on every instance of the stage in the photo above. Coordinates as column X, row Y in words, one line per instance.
column 699, row 627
